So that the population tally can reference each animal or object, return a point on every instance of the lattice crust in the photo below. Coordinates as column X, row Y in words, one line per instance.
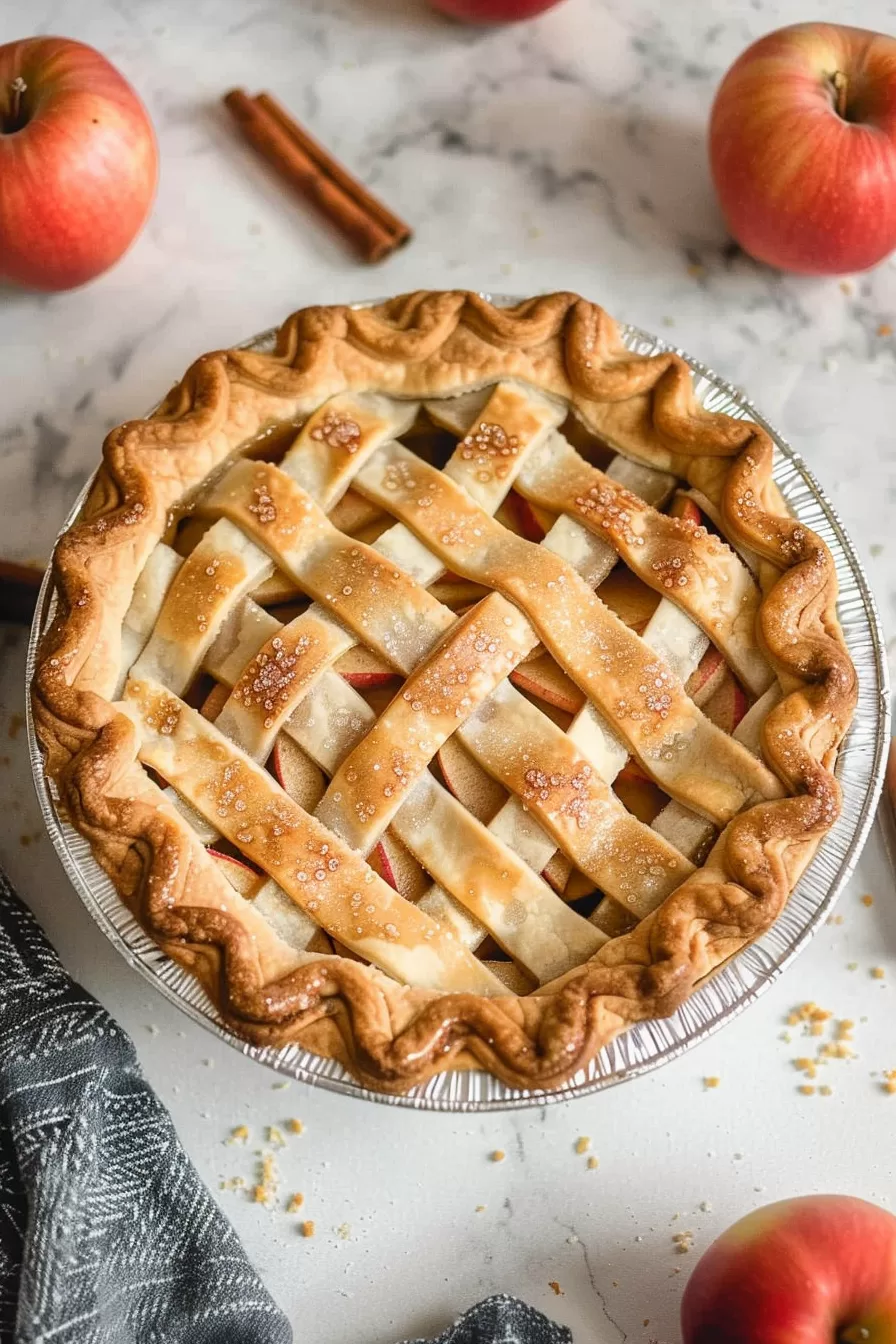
column 431, row 579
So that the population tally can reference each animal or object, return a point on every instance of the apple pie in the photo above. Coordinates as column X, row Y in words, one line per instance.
column 447, row 688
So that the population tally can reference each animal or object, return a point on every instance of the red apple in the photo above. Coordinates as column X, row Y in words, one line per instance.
column 78, row 163
column 803, row 148
column 493, row 11
column 818, row 1270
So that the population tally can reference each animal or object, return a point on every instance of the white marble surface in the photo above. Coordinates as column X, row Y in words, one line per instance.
column 564, row 153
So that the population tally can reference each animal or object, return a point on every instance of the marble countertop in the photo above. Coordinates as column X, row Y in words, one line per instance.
column 568, row 152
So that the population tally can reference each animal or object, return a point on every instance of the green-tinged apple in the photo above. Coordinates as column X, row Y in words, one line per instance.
column 78, row 163
column 803, row 148
column 493, row 11
column 817, row 1270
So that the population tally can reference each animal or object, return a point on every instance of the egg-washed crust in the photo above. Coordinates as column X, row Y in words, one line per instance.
column 430, row 345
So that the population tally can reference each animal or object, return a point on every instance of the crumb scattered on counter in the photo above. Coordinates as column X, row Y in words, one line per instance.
column 868, row 900
column 885, row 329
column 498, row 1155
column 480, row 1208
column 889, row 1083
column 711, row 1082
column 265, row 1191
column 307, row 1228
column 233, row 1183
column 684, row 1242
column 825, row 1091
column 239, row 1135
column 275, row 1136
column 279, row 1087
column 344, row 1232
column 810, row 1017
column 877, row 973
column 592, row 1164
column 583, row 1144
column 555, row 1287
column 295, row 1203
column 296, row 1127
column 806, row 1090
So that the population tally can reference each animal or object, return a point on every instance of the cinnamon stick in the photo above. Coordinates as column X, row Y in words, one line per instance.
column 340, row 175
column 372, row 230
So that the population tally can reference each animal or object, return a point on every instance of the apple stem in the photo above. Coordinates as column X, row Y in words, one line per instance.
column 841, row 86
column 18, row 88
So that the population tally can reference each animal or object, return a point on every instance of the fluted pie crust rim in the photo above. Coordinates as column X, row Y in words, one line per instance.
column 430, row 345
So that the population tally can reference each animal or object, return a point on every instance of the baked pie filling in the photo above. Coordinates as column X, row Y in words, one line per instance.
column 447, row 688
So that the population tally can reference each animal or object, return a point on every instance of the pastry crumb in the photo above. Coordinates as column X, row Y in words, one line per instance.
column 867, row 900
column 275, row 1136
column 885, row 329
column 583, row 1144
column 265, row 1191
column 877, row 973
column 555, row 1287
column 824, row 1090
column 296, row 1127
column 233, row 1183
column 279, row 1087
column 592, row 1164
column 711, row 1082
column 344, row 1232
column 307, row 1228
column 480, row 1208
column 295, row 1203
column 498, row 1155
column 806, row 1090
column 889, row 1083
column 684, row 1242
column 239, row 1135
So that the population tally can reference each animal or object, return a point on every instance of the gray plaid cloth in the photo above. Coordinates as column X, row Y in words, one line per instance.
column 107, row 1234
column 502, row 1320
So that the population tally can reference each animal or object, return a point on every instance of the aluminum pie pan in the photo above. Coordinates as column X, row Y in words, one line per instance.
column 724, row 994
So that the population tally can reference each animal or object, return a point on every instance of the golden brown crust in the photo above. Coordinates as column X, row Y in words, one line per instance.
column 426, row 345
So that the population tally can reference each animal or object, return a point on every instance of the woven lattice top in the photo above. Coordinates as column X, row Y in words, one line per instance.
column 456, row 644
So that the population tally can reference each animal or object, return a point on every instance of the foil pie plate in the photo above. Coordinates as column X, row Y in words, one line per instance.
column 724, row 994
